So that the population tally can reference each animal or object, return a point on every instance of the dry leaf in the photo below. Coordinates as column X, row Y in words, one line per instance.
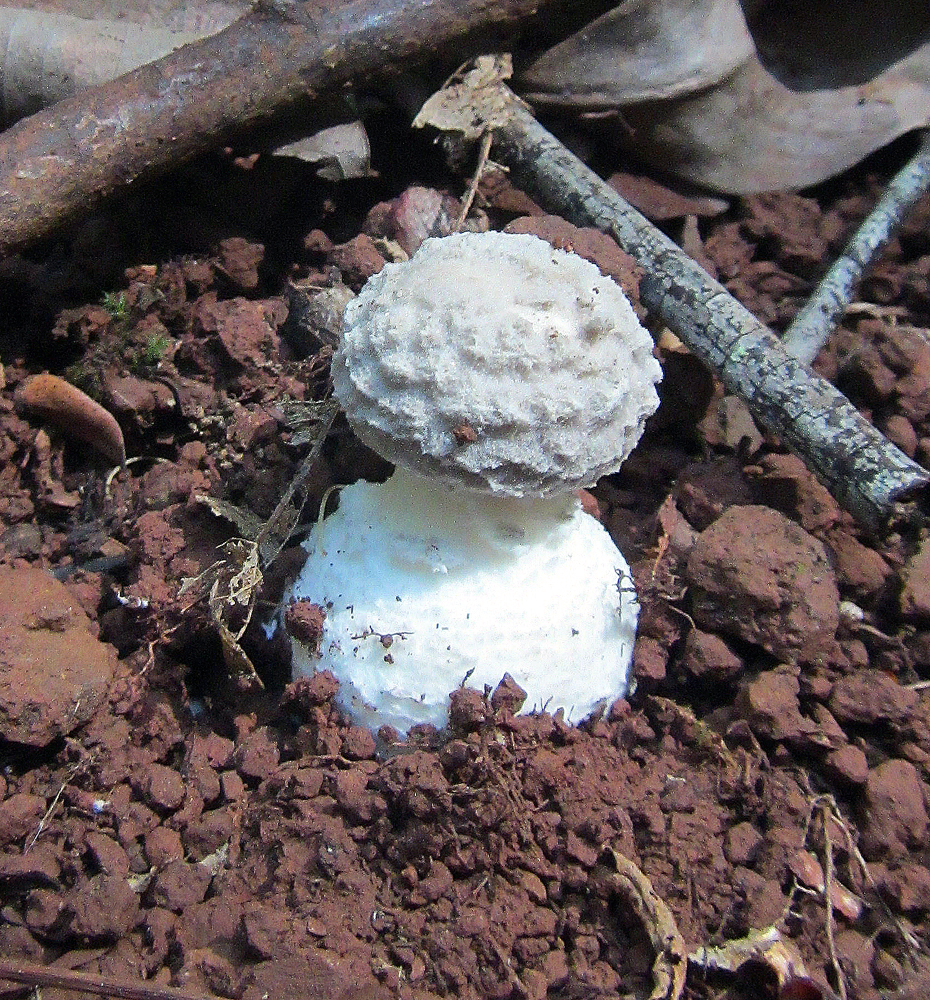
column 766, row 946
column 670, row 965
column 473, row 103
column 807, row 870
column 60, row 403
column 247, row 523
column 743, row 97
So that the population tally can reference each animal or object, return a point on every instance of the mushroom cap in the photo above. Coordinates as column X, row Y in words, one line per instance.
column 493, row 361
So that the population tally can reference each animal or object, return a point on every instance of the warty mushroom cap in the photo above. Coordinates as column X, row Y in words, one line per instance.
column 495, row 362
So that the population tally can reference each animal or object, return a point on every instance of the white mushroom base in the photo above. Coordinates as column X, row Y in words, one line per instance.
column 426, row 587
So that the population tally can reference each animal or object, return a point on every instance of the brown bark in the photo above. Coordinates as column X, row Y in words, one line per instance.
column 866, row 473
column 61, row 161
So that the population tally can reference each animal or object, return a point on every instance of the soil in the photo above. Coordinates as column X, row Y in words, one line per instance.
column 167, row 819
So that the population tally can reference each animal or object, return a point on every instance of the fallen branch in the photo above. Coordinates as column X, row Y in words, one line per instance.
column 817, row 319
column 866, row 473
column 47, row 55
column 61, row 161
column 41, row 975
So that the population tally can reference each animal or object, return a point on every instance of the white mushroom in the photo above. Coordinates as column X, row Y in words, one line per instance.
column 499, row 375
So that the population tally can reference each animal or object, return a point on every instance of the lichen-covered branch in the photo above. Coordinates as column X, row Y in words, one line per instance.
column 817, row 319
column 61, row 161
column 866, row 473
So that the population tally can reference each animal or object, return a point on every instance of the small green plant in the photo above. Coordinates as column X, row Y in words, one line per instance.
column 115, row 304
column 155, row 347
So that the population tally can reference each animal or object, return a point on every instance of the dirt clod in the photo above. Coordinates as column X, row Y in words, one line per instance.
column 871, row 696
column 304, row 622
column 54, row 672
column 707, row 657
column 760, row 577
column 104, row 909
column 895, row 815
column 915, row 594
column 508, row 695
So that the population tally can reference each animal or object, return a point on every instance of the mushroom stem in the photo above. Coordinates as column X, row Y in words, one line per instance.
column 427, row 585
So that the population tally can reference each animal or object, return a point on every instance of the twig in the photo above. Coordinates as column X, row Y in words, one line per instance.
column 852, row 849
column 57, row 163
column 41, row 975
column 826, row 815
column 136, row 460
column 826, row 808
column 48, row 815
column 865, row 472
column 74, row 770
column 484, row 151
column 817, row 319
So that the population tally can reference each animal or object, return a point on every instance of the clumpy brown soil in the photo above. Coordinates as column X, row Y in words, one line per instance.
column 163, row 820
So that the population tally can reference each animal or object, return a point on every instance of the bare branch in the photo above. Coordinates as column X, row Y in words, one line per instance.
column 816, row 321
column 60, row 161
